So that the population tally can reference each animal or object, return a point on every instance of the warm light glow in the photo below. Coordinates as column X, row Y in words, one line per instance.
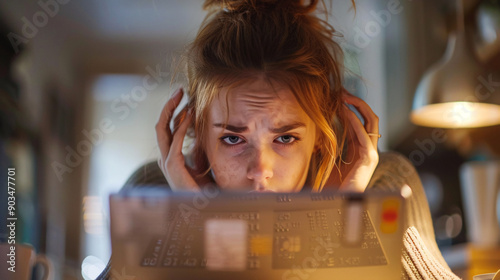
column 93, row 218
column 457, row 115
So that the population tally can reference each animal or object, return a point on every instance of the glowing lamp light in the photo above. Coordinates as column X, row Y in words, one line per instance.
column 457, row 115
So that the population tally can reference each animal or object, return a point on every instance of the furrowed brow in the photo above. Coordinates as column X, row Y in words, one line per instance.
column 278, row 130
column 235, row 129
column 286, row 128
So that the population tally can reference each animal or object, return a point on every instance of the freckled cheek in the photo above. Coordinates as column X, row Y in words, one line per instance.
column 286, row 169
column 292, row 170
column 229, row 171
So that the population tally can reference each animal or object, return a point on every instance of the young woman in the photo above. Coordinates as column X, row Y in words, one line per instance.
column 266, row 105
column 267, row 112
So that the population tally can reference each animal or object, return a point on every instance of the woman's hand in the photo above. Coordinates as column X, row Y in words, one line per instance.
column 362, row 157
column 172, row 162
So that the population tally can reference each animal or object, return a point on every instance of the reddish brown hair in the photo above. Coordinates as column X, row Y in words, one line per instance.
column 287, row 43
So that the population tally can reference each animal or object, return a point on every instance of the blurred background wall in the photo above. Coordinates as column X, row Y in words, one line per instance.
column 83, row 82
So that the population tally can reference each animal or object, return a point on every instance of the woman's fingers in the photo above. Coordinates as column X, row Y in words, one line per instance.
column 178, row 172
column 358, row 129
column 172, row 161
column 371, row 120
column 179, row 134
column 163, row 133
column 364, row 156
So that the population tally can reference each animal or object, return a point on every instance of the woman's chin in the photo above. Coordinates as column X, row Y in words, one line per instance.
column 262, row 191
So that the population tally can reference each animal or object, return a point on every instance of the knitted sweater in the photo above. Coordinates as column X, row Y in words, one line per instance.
column 421, row 258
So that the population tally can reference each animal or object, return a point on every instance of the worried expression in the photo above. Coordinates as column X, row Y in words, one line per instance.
column 259, row 138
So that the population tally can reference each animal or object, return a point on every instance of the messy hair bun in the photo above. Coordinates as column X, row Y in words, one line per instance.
column 287, row 43
column 294, row 6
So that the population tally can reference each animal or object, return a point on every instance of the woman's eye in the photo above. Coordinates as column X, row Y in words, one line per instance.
column 232, row 140
column 286, row 139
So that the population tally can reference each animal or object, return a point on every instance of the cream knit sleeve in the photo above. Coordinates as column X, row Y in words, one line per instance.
column 421, row 256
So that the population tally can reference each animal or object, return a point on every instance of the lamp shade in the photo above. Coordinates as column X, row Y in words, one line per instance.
column 455, row 93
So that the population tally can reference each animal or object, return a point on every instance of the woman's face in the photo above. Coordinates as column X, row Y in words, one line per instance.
column 267, row 142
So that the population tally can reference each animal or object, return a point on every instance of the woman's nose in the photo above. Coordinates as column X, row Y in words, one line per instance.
column 260, row 169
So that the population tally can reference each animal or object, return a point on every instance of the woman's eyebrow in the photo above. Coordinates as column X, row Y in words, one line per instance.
column 240, row 129
column 233, row 128
column 287, row 127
